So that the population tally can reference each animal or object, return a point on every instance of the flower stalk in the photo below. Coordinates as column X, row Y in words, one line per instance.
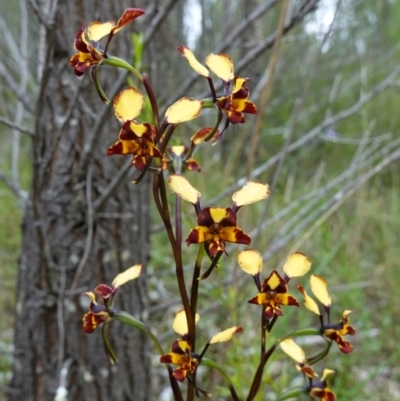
column 148, row 144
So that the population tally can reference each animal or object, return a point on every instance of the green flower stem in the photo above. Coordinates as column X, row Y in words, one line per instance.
column 126, row 318
column 292, row 393
column 211, row 364
column 109, row 351
column 258, row 376
column 310, row 331
column 95, row 76
column 118, row 62
column 212, row 133
column 322, row 354
column 207, row 104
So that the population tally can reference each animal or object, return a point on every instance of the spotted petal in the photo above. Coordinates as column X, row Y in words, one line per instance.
column 274, row 283
column 174, row 358
column 80, row 42
column 180, row 374
column 202, row 134
column 286, row 299
column 234, row 234
column 91, row 321
column 217, row 215
column 124, row 147
column 198, row 235
column 216, row 245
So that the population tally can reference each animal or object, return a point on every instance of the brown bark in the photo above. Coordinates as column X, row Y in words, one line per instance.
column 70, row 242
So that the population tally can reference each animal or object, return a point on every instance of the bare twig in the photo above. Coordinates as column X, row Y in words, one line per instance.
column 24, row 71
column 265, row 94
column 325, row 210
column 158, row 19
column 320, row 193
column 293, row 121
column 314, row 197
column 327, row 122
column 36, row 9
column 89, row 145
column 262, row 46
column 16, row 126
column 108, row 191
column 14, row 187
column 9, row 81
column 256, row 14
column 89, row 236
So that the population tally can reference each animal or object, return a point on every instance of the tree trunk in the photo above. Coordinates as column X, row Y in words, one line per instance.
column 74, row 236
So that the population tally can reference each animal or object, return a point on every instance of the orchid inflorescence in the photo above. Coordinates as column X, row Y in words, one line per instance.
column 148, row 143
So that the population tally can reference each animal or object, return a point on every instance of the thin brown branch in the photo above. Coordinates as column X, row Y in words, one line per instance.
column 109, row 190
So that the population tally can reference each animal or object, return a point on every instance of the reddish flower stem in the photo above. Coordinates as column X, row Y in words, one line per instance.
column 195, row 289
column 212, row 89
column 214, row 263
column 258, row 376
column 153, row 101
column 167, row 137
column 264, row 325
column 176, row 252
